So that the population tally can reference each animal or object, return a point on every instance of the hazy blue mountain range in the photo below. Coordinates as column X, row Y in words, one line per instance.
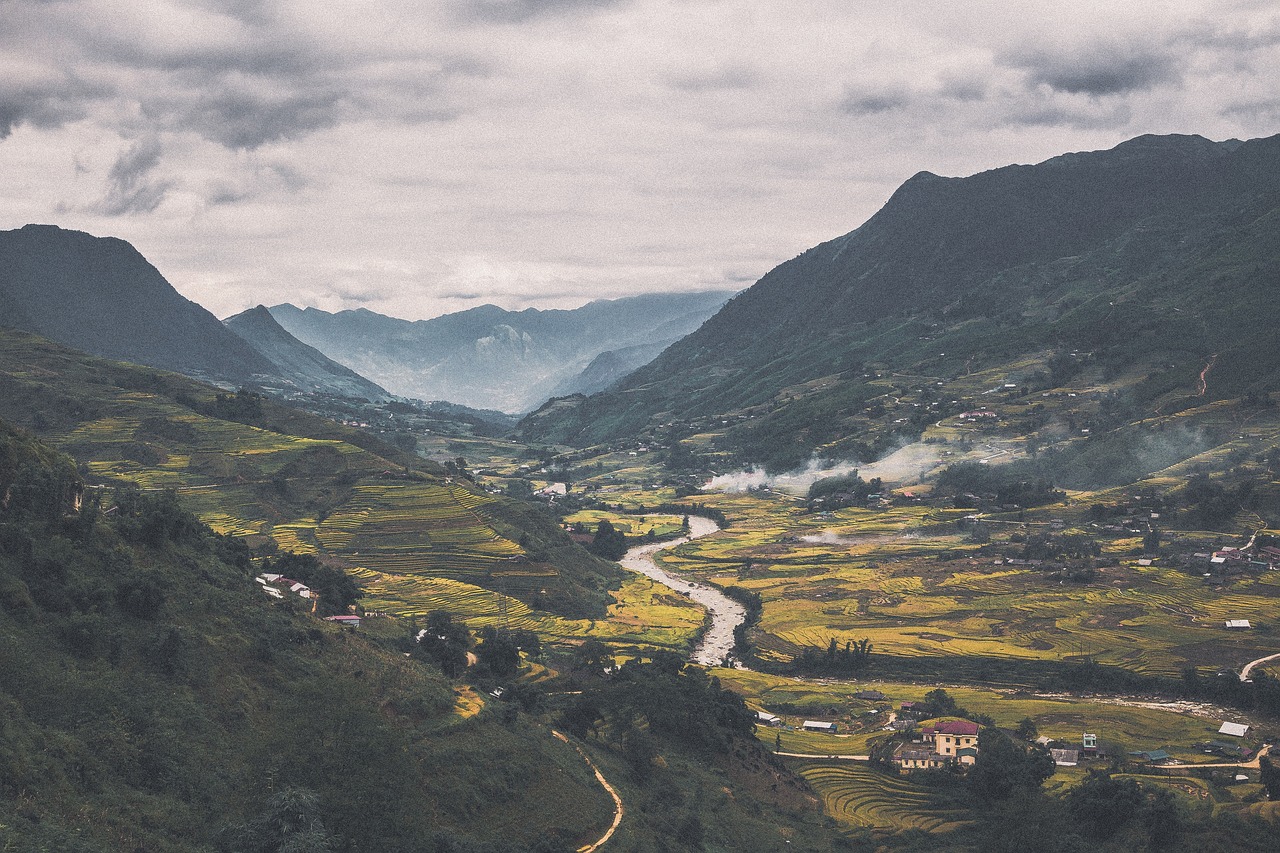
column 491, row 358
column 100, row 295
column 303, row 366
column 1158, row 253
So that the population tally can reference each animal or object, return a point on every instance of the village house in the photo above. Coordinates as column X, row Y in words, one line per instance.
column 764, row 718
column 951, row 736
column 819, row 726
column 915, row 758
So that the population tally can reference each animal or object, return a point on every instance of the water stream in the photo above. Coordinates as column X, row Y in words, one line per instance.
column 726, row 614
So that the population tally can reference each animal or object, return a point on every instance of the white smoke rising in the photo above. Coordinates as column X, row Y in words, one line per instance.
column 794, row 482
column 908, row 464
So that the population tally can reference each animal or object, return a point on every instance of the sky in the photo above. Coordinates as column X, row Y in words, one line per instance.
column 426, row 156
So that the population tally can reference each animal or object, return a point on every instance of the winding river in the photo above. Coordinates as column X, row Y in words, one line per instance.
column 726, row 614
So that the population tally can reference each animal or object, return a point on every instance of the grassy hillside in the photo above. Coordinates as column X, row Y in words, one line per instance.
column 282, row 478
column 155, row 699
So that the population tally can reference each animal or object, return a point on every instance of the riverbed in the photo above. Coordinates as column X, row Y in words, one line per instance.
column 726, row 614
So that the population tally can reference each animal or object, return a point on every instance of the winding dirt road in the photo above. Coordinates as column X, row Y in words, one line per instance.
column 618, row 809
column 1248, row 668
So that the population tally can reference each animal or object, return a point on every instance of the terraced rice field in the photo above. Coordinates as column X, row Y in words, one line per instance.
column 909, row 581
column 857, row 797
column 644, row 615
column 661, row 525
column 415, row 528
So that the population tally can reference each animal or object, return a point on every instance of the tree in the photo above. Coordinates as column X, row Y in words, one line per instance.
column 289, row 824
column 1270, row 777
column 609, row 542
column 498, row 652
column 1004, row 766
column 444, row 642
column 1026, row 729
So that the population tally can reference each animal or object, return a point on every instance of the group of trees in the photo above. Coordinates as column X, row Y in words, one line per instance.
column 841, row 491
column 446, row 643
column 1023, row 483
column 853, row 657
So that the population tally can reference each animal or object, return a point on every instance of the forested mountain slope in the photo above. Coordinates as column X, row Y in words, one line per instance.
column 1152, row 256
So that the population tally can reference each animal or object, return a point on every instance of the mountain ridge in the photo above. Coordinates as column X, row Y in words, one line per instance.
column 101, row 295
column 304, row 366
column 488, row 357
column 1082, row 250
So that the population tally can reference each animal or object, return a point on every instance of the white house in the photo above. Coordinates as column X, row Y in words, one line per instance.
column 819, row 726
column 1233, row 729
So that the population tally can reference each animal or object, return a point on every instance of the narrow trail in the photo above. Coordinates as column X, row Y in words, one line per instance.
column 1202, row 385
column 618, row 809
column 820, row 757
column 1248, row 668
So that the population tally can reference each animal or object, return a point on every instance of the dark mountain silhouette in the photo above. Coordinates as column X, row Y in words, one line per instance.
column 491, row 358
column 100, row 295
column 301, row 366
column 1162, row 248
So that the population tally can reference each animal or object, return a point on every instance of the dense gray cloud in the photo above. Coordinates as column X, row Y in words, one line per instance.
column 515, row 11
column 1101, row 68
column 419, row 156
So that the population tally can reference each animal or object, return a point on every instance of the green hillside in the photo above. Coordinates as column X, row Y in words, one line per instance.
column 282, row 478
column 155, row 699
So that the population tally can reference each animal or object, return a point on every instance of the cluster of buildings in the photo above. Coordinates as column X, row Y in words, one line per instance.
column 940, row 744
column 277, row 585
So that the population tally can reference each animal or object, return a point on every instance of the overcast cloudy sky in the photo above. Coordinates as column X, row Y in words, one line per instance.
column 423, row 156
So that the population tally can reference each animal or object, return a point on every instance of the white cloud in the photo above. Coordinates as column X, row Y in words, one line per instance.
column 421, row 157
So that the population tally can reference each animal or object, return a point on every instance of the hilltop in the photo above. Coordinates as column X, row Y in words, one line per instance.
column 1140, row 263
column 100, row 295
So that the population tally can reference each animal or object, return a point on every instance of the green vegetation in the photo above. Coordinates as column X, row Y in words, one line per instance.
column 140, row 656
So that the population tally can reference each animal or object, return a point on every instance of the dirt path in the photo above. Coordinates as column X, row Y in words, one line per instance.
column 1253, row 764
column 618, row 809
column 824, row 757
column 1248, row 668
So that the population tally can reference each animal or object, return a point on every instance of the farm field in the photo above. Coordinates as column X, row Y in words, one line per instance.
column 644, row 615
column 661, row 525
column 860, row 798
column 1120, row 728
column 909, row 580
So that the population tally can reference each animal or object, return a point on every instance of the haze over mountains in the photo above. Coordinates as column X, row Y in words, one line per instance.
column 100, row 295
column 491, row 358
column 1153, row 256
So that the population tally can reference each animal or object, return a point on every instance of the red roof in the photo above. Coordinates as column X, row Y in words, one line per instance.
column 954, row 727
